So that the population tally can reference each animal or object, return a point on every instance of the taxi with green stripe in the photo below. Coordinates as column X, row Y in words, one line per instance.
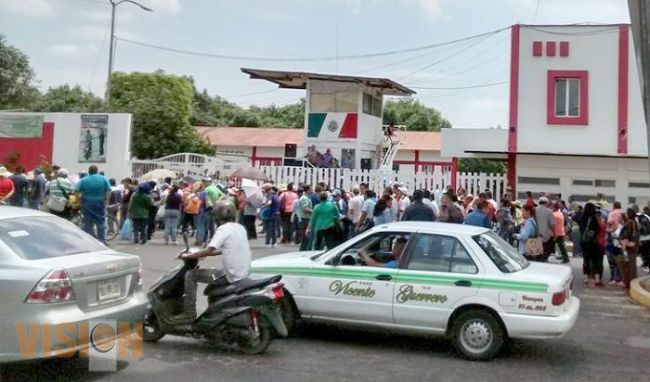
column 461, row 281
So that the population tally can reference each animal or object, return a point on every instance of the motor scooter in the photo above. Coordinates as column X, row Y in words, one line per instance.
column 244, row 315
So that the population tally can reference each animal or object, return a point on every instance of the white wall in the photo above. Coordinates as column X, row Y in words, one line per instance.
column 591, row 48
column 566, row 168
column 65, row 153
column 456, row 142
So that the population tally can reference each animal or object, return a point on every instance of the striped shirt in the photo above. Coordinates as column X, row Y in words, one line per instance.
column 59, row 184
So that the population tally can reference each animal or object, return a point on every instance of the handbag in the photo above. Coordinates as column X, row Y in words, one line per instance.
column 56, row 203
column 534, row 246
column 588, row 236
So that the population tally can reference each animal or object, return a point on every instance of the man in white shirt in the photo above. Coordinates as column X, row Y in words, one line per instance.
column 354, row 208
column 404, row 201
column 230, row 241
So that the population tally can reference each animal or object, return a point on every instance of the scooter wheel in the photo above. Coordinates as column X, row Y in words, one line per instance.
column 151, row 331
column 258, row 345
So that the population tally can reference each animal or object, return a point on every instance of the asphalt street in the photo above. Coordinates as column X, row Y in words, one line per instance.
column 610, row 342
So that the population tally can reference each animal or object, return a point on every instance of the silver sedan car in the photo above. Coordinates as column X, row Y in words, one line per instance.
column 56, row 281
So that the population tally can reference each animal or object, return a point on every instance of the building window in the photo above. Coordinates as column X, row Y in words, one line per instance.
column 638, row 185
column 605, row 183
column 582, row 182
column 538, row 180
column 339, row 102
column 372, row 105
column 567, row 97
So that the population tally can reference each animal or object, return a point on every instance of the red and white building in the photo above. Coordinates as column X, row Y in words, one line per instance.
column 576, row 122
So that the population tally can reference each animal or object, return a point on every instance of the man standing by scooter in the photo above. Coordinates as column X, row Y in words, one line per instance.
column 231, row 242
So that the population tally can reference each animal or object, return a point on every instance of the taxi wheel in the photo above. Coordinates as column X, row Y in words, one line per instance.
column 477, row 335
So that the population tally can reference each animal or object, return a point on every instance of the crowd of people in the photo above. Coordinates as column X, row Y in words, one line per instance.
column 320, row 217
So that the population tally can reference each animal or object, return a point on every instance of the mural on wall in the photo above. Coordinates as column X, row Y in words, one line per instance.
column 92, row 141
column 21, row 126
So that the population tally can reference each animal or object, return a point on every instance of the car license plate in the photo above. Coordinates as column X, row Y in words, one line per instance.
column 108, row 289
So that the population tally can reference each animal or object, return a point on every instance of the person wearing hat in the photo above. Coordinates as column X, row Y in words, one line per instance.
column 6, row 186
column 545, row 225
column 60, row 190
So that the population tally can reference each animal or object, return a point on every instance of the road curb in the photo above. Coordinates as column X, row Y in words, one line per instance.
column 638, row 293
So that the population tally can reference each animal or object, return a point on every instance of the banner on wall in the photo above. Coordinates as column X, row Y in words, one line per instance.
column 92, row 141
column 21, row 126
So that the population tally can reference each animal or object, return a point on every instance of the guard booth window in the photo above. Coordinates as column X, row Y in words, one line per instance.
column 333, row 102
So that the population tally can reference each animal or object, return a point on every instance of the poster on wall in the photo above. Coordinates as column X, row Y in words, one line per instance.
column 92, row 142
column 21, row 126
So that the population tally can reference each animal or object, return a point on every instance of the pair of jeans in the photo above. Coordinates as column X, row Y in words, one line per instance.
column 249, row 223
column 271, row 230
column 139, row 230
column 151, row 222
column 559, row 240
column 615, row 272
column 201, row 223
column 194, row 276
column 287, row 229
column 305, row 242
column 171, row 224
column 94, row 219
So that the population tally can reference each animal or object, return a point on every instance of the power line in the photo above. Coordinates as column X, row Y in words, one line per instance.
column 462, row 87
column 307, row 59
column 251, row 94
column 441, row 60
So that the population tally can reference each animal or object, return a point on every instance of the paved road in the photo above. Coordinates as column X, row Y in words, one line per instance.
column 610, row 342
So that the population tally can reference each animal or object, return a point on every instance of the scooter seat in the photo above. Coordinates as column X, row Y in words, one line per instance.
column 239, row 286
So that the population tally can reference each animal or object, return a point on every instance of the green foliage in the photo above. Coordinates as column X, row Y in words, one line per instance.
column 481, row 165
column 415, row 115
column 216, row 111
column 161, row 105
column 16, row 77
column 68, row 99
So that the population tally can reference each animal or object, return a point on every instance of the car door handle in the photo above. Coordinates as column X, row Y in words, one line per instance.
column 384, row 277
column 463, row 283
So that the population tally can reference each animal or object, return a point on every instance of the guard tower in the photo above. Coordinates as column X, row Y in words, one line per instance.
column 342, row 113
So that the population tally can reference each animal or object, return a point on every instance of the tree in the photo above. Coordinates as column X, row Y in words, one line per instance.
column 16, row 77
column 161, row 105
column 68, row 99
column 489, row 166
column 415, row 115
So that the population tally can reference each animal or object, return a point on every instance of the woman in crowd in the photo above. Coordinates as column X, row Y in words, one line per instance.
column 593, row 257
column 383, row 213
column 322, row 224
column 529, row 229
column 506, row 222
column 139, row 207
column 269, row 214
column 450, row 212
column 172, row 202
column 468, row 204
column 629, row 238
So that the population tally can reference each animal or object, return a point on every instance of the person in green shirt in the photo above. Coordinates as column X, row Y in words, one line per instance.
column 303, row 213
column 323, row 223
column 139, row 208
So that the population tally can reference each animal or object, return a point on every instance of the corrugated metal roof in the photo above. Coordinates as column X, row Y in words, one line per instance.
column 298, row 80
column 267, row 137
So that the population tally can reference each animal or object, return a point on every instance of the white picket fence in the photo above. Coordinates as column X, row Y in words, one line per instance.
column 190, row 163
column 437, row 180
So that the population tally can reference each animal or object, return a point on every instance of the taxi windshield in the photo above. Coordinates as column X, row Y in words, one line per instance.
column 502, row 254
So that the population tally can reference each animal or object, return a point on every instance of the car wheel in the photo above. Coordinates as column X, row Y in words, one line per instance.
column 477, row 335
column 151, row 331
column 289, row 313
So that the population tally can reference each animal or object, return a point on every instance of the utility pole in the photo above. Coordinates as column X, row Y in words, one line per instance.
column 111, row 49
column 640, row 17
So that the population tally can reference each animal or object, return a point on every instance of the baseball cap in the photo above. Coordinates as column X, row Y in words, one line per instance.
column 543, row 199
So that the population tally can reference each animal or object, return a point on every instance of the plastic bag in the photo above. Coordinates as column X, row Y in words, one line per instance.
column 126, row 233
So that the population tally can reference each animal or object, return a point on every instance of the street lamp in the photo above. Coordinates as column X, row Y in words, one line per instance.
column 114, row 5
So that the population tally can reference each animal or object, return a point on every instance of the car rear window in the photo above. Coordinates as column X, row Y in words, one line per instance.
column 36, row 238
column 502, row 254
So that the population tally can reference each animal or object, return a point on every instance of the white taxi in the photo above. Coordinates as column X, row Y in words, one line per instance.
column 456, row 280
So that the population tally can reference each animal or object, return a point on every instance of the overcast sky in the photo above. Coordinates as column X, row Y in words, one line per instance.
column 67, row 41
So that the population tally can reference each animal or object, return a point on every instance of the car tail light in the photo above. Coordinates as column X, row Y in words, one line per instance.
column 559, row 298
column 55, row 287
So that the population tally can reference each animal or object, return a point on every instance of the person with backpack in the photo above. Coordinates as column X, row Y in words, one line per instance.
column 593, row 256
column 630, row 243
column 191, row 207
column 172, row 202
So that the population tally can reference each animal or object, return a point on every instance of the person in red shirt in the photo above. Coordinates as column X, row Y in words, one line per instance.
column 483, row 197
column 6, row 186
column 530, row 201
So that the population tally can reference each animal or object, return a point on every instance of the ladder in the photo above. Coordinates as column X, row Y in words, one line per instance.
column 387, row 160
